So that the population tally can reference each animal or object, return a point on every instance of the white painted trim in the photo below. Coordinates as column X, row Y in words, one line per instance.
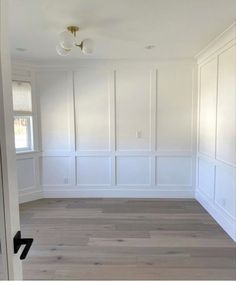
column 8, row 163
column 201, row 189
column 169, row 153
column 224, row 41
column 76, row 65
column 36, row 191
column 194, row 124
column 70, row 187
column 226, row 222
column 220, row 41
column 31, row 195
column 215, row 161
column 118, row 193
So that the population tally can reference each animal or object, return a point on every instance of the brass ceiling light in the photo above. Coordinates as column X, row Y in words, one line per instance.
column 67, row 40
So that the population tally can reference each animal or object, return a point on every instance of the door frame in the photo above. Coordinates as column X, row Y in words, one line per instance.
column 3, row 254
column 8, row 155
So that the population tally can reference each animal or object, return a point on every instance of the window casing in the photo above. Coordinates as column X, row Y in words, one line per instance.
column 23, row 116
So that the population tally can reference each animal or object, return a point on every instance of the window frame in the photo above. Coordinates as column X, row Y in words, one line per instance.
column 30, row 140
column 24, row 114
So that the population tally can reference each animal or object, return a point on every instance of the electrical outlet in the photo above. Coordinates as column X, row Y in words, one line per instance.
column 223, row 202
column 66, row 180
column 138, row 134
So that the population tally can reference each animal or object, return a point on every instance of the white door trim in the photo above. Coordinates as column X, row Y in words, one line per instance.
column 10, row 191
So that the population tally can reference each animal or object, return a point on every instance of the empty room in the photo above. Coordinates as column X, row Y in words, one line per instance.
column 118, row 140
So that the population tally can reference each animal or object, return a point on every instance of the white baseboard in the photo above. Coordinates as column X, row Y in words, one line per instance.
column 30, row 196
column 227, row 223
column 109, row 193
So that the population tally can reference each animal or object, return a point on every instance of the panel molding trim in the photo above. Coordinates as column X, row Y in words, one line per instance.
column 216, row 172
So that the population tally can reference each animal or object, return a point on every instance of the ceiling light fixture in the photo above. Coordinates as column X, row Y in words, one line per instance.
column 149, row 47
column 67, row 40
column 20, row 49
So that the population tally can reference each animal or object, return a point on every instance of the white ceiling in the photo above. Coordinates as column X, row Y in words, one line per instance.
column 120, row 28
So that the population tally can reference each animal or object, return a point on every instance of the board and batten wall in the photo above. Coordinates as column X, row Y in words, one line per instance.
column 216, row 158
column 117, row 130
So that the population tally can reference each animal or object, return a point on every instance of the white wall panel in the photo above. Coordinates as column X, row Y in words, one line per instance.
column 26, row 173
column 226, row 188
column 206, row 177
column 226, row 111
column 174, row 108
column 93, row 170
column 207, row 118
column 133, row 114
column 55, row 171
column 92, row 96
column 56, row 109
column 120, row 125
column 174, row 171
column 133, row 170
column 216, row 189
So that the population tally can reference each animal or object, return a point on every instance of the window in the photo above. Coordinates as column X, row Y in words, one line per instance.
column 23, row 116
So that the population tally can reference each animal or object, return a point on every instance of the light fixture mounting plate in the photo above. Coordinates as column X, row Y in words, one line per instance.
column 73, row 29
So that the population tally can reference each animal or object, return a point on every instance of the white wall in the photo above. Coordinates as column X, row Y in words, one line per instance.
column 216, row 158
column 116, row 129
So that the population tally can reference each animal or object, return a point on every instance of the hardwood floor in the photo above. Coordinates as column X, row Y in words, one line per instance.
column 132, row 239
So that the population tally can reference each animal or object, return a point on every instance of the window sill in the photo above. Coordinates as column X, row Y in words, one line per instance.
column 26, row 152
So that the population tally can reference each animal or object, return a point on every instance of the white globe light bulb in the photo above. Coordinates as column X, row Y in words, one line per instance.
column 66, row 40
column 88, row 46
column 61, row 51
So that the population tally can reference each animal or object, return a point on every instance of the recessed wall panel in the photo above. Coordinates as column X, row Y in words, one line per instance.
column 206, row 177
column 133, row 94
column 174, row 171
column 133, row 170
column 26, row 173
column 56, row 109
column 207, row 118
column 226, row 188
column 226, row 110
column 92, row 96
column 55, row 171
column 174, row 108
column 93, row 170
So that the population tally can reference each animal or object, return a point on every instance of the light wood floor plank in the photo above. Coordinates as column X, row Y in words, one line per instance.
column 132, row 239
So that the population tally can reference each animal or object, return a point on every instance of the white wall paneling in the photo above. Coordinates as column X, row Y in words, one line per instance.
column 206, row 177
column 174, row 171
column 133, row 171
column 216, row 185
column 92, row 109
column 226, row 189
column 104, row 125
column 116, row 111
column 174, row 108
column 208, row 91
column 134, row 90
column 26, row 181
column 93, row 171
column 28, row 177
column 56, row 171
column 226, row 113
column 55, row 97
